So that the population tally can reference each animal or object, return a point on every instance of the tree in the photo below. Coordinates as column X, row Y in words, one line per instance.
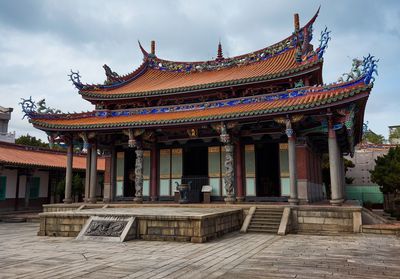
column 394, row 134
column 77, row 186
column 370, row 136
column 387, row 171
column 31, row 141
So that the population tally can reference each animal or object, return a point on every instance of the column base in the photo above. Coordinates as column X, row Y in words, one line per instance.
column 69, row 200
column 293, row 201
column 154, row 198
column 240, row 199
column 229, row 200
column 106, row 200
column 337, row 202
column 138, row 200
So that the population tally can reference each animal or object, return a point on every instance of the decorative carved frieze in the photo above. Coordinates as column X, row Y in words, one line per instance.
column 105, row 228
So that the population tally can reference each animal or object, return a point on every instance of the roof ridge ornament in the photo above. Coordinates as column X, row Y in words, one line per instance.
column 145, row 53
column 220, row 55
column 370, row 67
column 112, row 77
column 323, row 42
column 75, row 77
column 354, row 73
column 28, row 107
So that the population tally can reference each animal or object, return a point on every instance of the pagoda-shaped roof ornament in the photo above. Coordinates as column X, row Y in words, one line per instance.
column 220, row 55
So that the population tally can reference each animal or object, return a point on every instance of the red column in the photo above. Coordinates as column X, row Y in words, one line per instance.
column 239, row 172
column 153, row 173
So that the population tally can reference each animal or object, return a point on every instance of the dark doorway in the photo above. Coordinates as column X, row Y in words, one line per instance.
column 129, row 179
column 195, row 170
column 267, row 170
column 195, row 161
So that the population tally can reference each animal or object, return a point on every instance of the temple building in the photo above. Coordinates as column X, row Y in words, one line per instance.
column 253, row 126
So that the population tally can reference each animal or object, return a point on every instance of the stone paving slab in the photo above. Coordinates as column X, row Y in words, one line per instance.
column 25, row 255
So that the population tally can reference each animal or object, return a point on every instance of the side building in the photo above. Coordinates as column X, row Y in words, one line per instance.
column 29, row 175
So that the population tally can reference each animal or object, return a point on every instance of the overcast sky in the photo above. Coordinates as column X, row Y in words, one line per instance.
column 40, row 41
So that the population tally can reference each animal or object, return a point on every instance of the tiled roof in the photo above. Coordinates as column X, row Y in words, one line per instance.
column 306, row 98
column 24, row 156
column 156, row 81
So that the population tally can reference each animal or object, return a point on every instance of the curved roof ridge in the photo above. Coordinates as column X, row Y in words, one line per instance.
column 307, row 25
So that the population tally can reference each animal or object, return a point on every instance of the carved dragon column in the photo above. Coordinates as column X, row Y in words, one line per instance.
column 138, row 175
column 134, row 142
column 228, row 164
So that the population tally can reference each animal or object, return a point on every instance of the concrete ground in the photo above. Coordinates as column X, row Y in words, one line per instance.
column 25, row 255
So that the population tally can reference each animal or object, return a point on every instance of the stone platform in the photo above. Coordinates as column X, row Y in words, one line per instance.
column 153, row 223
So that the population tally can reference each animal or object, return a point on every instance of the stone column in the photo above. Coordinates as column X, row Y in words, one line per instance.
column 138, row 176
column 113, row 172
column 334, row 166
column 228, row 176
column 153, row 174
column 87, row 172
column 93, row 174
column 68, row 174
column 239, row 173
column 293, row 200
column 107, row 179
column 343, row 176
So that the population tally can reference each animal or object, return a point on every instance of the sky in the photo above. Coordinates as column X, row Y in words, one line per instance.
column 41, row 41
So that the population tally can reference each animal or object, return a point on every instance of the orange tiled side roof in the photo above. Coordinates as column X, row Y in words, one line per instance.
column 16, row 156
column 154, row 80
column 312, row 98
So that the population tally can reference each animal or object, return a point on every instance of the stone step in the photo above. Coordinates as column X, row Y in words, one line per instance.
column 266, row 218
column 263, row 226
column 257, row 222
column 272, row 231
column 268, row 213
column 269, row 210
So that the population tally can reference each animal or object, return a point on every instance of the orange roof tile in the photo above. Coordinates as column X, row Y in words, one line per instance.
column 155, row 80
column 311, row 98
column 16, row 155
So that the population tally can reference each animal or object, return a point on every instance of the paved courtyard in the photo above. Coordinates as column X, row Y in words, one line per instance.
column 25, row 255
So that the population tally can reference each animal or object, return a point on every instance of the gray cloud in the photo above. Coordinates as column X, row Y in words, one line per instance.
column 42, row 40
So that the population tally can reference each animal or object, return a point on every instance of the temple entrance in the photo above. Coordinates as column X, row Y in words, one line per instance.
column 195, row 170
column 267, row 170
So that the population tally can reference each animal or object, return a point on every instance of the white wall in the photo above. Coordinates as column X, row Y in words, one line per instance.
column 11, row 181
column 22, row 183
column 44, row 182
